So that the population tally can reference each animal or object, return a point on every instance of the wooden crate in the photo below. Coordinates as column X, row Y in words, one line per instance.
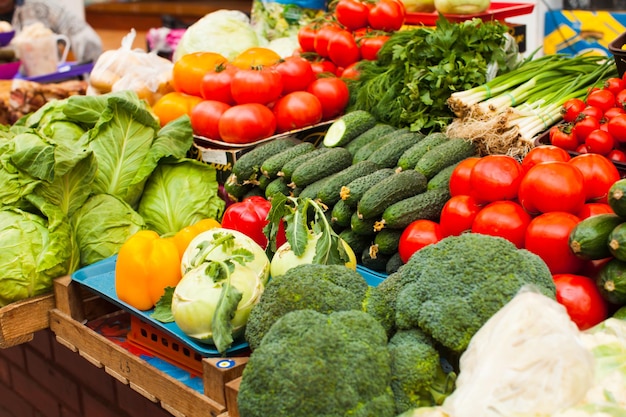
column 20, row 320
column 75, row 306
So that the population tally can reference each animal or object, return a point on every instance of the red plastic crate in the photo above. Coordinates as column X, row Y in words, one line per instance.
column 496, row 11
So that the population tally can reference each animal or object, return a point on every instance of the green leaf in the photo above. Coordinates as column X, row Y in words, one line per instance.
column 275, row 215
column 163, row 308
column 297, row 230
column 222, row 319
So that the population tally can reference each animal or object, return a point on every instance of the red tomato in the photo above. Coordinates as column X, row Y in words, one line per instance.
column 581, row 298
column 297, row 110
column 306, row 37
column 599, row 174
column 547, row 235
column 296, row 73
column 417, row 235
column 617, row 127
column 370, row 45
column 617, row 155
column 495, row 177
column 342, row 48
column 387, row 15
column 216, row 84
column 247, row 123
column 620, row 98
column 572, row 108
column 552, row 186
column 323, row 37
column 256, row 85
column 332, row 93
column 323, row 67
column 599, row 141
column 596, row 112
column 582, row 148
column 249, row 217
column 612, row 112
column 351, row 72
column 352, row 13
column 591, row 209
column 583, row 127
column 460, row 178
column 563, row 137
column 205, row 117
column 614, row 85
column 458, row 214
column 506, row 219
column 603, row 99
column 544, row 153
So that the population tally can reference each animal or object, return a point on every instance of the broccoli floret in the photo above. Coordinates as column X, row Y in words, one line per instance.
column 418, row 379
column 323, row 288
column 312, row 364
column 451, row 288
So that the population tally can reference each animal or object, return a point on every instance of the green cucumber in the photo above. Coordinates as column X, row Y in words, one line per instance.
column 393, row 264
column 358, row 243
column 388, row 155
column 423, row 206
column 409, row 157
column 248, row 166
column 611, row 281
column 321, row 166
column 353, row 192
column 442, row 178
column 444, row 155
column 589, row 238
column 617, row 241
column 387, row 240
column 262, row 181
column 390, row 190
column 362, row 226
column 272, row 165
column 329, row 194
column 341, row 214
column 311, row 190
column 366, row 137
column 277, row 186
column 616, row 197
column 374, row 261
column 348, row 127
column 377, row 143
column 235, row 189
column 289, row 167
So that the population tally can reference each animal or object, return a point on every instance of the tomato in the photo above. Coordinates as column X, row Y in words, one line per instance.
column 620, row 98
column 323, row 67
column 370, row 45
column 582, row 148
column 552, row 186
column 417, row 235
column 495, row 177
column 189, row 69
column 332, row 93
column 342, row 48
column 584, row 126
column 544, row 153
column 249, row 217
column 614, row 85
column 617, row 155
column 216, row 84
column 255, row 57
column 460, row 178
column 599, row 174
column 596, row 112
column 547, row 235
column 296, row 110
column 323, row 37
column 173, row 105
column 591, row 209
column 387, row 15
column 306, row 37
column 599, row 141
column 612, row 112
column 247, row 123
column 563, row 137
column 617, row 127
column 506, row 219
column 581, row 298
column 351, row 72
column 256, row 85
column 205, row 117
column 458, row 214
column 296, row 73
column 603, row 99
column 572, row 108
column 352, row 14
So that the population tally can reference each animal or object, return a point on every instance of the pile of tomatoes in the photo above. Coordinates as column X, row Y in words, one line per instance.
column 353, row 30
column 595, row 124
column 252, row 97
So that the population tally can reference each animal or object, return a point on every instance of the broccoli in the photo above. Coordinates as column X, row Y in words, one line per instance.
column 418, row 378
column 451, row 288
column 323, row 288
column 311, row 364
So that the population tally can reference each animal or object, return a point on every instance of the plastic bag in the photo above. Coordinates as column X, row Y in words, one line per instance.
column 148, row 74
column 274, row 19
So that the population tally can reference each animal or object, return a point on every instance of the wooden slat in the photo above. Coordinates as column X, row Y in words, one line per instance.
column 20, row 320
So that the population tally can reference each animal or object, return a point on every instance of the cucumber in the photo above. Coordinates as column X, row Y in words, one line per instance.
column 262, row 181
column 374, row 261
column 442, row 178
column 409, row 158
column 388, row 155
column 362, row 226
column 348, row 127
column 341, row 214
column 277, row 186
column 444, row 155
column 611, row 281
column 311, row 190
column 329, row 194
column 253, row 192
column 321, row 166
column 617, row 241
column 388, row 240
column 272, row 165
column 357, row 242
column 248, row 166
column 377, row 143
column 589, row 238
column 289, row 167
column 235, row 189
column 426, row 206
column 390, row 190
column 353, row 192
column 366, row 137
column 616, row 197
column 393, row 264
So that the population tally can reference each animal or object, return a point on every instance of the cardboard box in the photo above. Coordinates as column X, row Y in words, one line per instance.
column 578, row 32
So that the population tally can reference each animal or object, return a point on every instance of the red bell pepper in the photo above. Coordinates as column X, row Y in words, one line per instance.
column 249, row 217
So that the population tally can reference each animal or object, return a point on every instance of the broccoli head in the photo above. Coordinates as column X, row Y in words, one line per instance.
column 451, row 288
column 323, row 288
column 418, row 379
column 311, row 364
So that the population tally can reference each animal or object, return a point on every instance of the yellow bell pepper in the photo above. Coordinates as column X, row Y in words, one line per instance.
column 146, row 265
column 184, row 236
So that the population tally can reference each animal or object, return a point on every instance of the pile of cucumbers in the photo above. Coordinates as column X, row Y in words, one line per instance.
column 373, row 178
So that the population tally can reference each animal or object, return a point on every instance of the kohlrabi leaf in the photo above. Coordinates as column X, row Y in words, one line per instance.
column 224, row 313
column 297, row 230
column 163, row 308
